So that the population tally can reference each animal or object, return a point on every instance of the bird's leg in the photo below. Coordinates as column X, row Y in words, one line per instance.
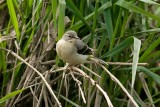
column 66, row 66
column 71, row 66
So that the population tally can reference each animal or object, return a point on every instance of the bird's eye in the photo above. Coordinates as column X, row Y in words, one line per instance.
column 70, row 36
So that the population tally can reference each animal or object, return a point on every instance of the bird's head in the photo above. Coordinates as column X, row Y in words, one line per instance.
column 69, row 35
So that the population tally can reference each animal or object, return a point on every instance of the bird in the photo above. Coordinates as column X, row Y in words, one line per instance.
column 71, row 49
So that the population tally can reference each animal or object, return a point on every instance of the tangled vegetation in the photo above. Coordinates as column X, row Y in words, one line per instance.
column 124, row 72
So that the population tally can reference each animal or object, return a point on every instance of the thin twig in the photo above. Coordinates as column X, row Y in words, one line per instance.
column 45, row 98
column 57, row 70
column 97, row 60
column 79, row 86
column 125, row 63
column 90, row 70
column 62, row 79
column 42, row 91
column 36, row 99
column 146, row 89
column 51, row 62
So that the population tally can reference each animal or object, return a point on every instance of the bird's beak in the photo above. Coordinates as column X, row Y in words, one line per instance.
column 77, row 38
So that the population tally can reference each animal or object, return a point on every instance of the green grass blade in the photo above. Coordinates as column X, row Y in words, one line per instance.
column 155, row 55
column 29, row 40
column 28, row 5
column 62, row 7
column 95, row 15
column 102, row 43
column 136, row 9
column 3, row 66
column 39, row 2
column 148, row 31
column 154, row 76
column 69, row 101
column 137, row 45
column 90, row 16
column 108, row 20
column 150, row 2
column 10, row 95
column 2, row 57
column 149, row 50
column 112, row 39
column 77, row 12
column 13, row 18
column 82, row 6
column 54, row 10
column 124, row 44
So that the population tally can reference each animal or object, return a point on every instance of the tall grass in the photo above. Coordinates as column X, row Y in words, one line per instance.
column 125, row 34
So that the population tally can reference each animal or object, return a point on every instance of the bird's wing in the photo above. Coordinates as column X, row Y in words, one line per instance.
column 82, row 47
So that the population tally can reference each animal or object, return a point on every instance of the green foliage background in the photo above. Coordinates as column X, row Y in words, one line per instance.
column 31, row 28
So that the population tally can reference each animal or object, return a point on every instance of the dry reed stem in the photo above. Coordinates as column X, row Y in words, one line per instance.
column 79, row 86
column 126, row 63
column 119, row 83
column 46, row 83
column 90, row 71
column 146, row 89
column 97, row 85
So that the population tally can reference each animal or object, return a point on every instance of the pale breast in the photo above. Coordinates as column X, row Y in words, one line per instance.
column 65, row 50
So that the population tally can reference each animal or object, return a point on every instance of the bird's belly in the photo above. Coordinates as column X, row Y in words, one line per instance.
column 65, row 50
column 68, row 53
